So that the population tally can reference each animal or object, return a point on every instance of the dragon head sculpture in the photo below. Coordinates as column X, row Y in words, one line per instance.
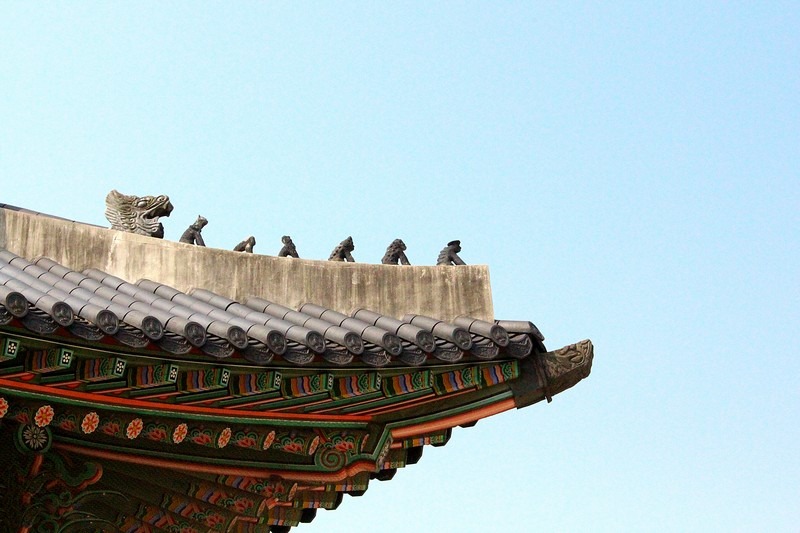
column 137, row 214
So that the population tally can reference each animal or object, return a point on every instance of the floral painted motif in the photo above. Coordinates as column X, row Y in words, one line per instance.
column 68, row 423
column 297, row 443
column 269, row 439
column 213, row 520
column 111, row 428
column 35, row 437
column 224, row 438
column 157, row 434
column 344, row 446
column 201, row 438
column 3, row 407
column 181, row 430
column 313, row 447
column 44, row 416
column 90, row 422
column 293, row 447
column 246, row 441
column 242, row 505
column 134, row 428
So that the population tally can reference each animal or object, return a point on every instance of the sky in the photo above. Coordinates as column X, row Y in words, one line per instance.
column 629, row 171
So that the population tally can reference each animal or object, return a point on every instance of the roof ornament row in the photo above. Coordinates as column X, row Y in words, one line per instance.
column 141, row 214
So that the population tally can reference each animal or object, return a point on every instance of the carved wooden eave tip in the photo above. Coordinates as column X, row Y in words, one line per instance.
column 546, row 374
column 565, row 367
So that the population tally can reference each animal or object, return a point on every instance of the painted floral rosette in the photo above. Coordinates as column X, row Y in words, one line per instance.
column 181, row 430
column 224, row 438
column 134, row 428
column 90, row 422
column 44, row 415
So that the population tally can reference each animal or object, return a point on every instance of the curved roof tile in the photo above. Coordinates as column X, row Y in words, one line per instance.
column 94, row 304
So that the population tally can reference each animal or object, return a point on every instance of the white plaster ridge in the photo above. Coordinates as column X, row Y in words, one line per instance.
column 443, row 292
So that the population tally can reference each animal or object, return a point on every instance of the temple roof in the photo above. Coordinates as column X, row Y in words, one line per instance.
column 214, row 410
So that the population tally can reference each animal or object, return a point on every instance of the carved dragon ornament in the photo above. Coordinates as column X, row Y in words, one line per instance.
column 137, row 214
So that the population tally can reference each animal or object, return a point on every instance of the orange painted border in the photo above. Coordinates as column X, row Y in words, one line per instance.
column 453, row 421
column 312, row 477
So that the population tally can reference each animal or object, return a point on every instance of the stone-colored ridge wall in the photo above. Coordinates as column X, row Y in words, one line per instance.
column 442, row 292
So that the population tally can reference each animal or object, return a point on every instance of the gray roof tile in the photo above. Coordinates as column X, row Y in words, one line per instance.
column 44, row 295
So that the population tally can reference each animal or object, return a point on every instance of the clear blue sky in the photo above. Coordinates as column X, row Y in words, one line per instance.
column 629, row 171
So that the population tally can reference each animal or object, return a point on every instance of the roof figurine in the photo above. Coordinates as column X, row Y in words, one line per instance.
column 137, row 214
column 288, row 249
column 246, row 245
column 395, row 254
column 449, row 254
column 192, row 233
column 342, row 252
